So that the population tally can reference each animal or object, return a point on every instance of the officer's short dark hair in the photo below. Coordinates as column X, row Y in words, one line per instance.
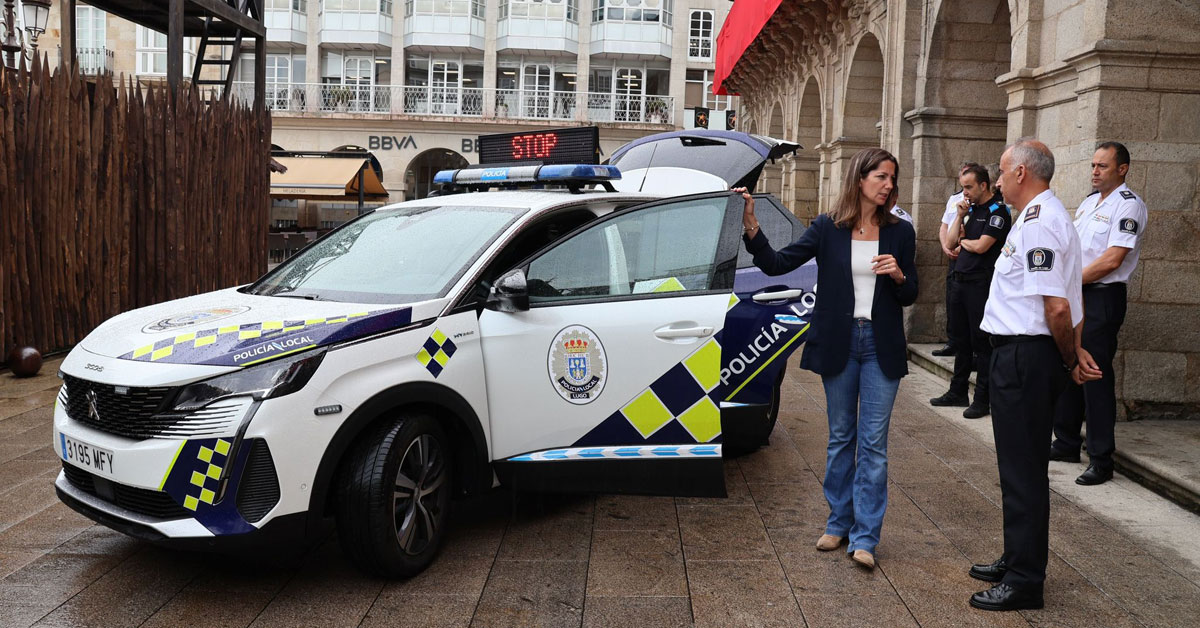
column 1119, row 149
column 981, row 173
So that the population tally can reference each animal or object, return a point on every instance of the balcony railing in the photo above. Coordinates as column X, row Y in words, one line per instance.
column 472, row 102
column 93, row 61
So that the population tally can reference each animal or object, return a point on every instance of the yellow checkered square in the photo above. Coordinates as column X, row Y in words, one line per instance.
column 207, row 496
column 248, row 334
column 702, row 420
column 204, row 341
column 205, row 454
column 222, row 447
column 141, row 351
column 440, row 357
column 182, row 338
column 197, row 478
column 438, row 336
column 228, row 329
column 214, row 471
column 646, row 413
column 162, row 353
column 191, row 503
column 705, row 365
column 423, row 357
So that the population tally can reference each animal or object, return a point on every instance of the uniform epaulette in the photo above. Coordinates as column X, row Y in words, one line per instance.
column 1031, row 213
column 1126, row 194
column 994, row 207
column 1093, row 193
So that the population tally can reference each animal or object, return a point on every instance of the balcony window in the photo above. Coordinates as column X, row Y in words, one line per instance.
column 299, row 6
column 474, row 8
column 443, row 86
column 698, row 92
column 152, row 52
column 700, row 36
column 633, row 11
column 550, row 9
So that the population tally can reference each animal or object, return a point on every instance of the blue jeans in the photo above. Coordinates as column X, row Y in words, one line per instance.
column 859, row 403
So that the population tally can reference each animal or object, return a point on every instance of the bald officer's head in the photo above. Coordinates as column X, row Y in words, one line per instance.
column 1026, row 168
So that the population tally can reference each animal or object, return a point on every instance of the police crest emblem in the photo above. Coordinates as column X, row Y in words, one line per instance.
column 577, row 365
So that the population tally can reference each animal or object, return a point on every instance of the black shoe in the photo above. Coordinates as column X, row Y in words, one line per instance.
column 1059, row 455
column 989, row 573
column 1093, row 476
column 945, row 351
column 977, row 410
column 950, row 399
column 1005, row 598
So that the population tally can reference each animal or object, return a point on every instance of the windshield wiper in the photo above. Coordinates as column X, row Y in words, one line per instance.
column 291, row 294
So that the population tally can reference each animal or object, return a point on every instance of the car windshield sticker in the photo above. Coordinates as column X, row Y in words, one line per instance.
column 435, row 354
column 1040, row 259
column 195, row 317
column 577, row 365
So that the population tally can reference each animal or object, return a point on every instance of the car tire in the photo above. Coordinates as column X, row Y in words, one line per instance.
column 776, row 399
column 747, row 442
column 394, row 499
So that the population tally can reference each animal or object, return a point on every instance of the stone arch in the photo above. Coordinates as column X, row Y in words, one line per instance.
column 771, row 180
column 418, row 177
column 862, row 106
column 806, row 169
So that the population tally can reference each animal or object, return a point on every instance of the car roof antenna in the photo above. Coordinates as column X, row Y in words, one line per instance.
column 649, row 165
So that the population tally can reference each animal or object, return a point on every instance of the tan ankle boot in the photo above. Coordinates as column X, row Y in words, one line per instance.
column 864, row 558
column 829, row 542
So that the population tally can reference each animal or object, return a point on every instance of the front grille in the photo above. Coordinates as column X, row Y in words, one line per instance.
column 259, row 489
column 141, row 412
column 130, row 413
column 155, row 504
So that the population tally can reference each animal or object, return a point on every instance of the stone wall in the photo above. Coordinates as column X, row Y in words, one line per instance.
column 939, row 82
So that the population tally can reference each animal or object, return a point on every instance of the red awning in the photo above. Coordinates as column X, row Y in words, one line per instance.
column 746, row 19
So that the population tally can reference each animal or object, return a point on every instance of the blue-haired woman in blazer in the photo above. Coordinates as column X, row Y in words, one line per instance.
column 866, row 275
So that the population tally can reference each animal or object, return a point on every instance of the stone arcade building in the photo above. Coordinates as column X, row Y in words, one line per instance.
column 938, row 82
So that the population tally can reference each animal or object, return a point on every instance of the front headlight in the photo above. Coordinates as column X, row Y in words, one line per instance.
column 265, row 381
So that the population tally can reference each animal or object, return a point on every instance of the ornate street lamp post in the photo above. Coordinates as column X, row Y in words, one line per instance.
column 35, row 14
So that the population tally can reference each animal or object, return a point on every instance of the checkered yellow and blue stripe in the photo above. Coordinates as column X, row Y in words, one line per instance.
column 435, row 354
column 618, row 453
column 205, row 479
column 218, row 345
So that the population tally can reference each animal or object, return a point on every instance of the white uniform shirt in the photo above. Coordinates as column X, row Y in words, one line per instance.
column 950, row 217
column 1041, row 258
column 1118, row 220
column 901, row 214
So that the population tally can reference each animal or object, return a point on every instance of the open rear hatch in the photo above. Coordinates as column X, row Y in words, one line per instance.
column 696, row 160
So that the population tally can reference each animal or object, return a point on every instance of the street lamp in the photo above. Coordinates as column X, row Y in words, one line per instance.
column 35, row 13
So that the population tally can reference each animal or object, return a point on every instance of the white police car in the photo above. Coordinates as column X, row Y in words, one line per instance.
column 571, row 340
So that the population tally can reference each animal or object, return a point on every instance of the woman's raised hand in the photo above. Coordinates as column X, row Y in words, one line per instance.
column 749, row 220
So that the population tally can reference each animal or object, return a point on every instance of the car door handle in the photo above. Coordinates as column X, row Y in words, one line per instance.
column 683, row 332
column 782, row 295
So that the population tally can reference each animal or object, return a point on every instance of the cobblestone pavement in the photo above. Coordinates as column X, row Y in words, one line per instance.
column 1120, row 556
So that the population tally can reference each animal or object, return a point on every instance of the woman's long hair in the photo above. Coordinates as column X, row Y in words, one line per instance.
column 846, row 211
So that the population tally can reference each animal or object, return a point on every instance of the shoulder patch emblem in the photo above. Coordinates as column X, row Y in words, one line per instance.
column 1031, row 213
column 997, row 222
column 1130, row 226
column 1126, row 194
column 1039, row 259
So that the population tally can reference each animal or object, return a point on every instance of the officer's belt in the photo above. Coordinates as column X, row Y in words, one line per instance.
column 1104, row 286
column 1000, row 341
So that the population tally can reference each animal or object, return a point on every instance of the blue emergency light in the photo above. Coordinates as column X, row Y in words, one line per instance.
column 571, row 175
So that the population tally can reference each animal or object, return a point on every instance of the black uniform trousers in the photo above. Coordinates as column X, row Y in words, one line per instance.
column 1027, row 378
column 967, row 300
column 949, row 314
column 1103, row 314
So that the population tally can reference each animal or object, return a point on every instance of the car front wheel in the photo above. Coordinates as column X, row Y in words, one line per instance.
column 394, row 501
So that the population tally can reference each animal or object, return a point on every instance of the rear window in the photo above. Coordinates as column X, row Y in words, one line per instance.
column 730, row 161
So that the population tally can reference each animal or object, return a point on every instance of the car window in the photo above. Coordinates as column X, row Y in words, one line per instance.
column 774, row 224
column 661, row 249
column 391, row 256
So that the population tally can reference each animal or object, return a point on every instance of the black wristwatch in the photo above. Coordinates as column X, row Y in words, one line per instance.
column 1067, row 368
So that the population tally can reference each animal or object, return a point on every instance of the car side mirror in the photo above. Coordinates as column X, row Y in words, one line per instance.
column 510, row 293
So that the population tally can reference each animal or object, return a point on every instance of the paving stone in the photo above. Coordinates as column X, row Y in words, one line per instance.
column 737, row 493
column 624, row 612
column 327, row 591
column 421, row 610
column 1072, row 601
column 15, row 406
column 450, row 575
column 953, row 504
column 936, row 591
column 778, row 462
column 843, row 610
column 15, row 473
column 809, row 570
column 215, row 609
column 533, row 593
column 796, row 504
column 547, row 539
column 20, row 615
column 45, row 530
column 634, row 512
column 1145, row 587
column 741, row 593
column 723, row 533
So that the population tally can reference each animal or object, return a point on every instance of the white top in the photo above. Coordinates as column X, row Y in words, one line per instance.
column 1118, row 220
column 1041, row 258
column 861, row 252
column 899, row 212
column 951, row 214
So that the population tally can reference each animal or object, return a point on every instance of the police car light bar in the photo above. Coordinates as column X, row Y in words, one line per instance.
column 571, row 175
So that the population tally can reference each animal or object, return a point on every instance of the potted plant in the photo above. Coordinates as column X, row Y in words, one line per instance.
column 340, row 95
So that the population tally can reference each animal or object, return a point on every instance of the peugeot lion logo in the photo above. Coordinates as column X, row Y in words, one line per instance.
column 93, row 410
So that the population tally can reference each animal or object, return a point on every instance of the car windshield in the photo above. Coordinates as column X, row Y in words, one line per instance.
column 391, row 256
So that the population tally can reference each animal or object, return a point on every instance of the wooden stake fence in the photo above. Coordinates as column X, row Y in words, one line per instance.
column 113, row 198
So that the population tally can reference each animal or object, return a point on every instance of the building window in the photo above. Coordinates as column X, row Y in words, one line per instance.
column 700, row 36
column 359, row 6
column 152, row 52
column 698, row 92
column 90, row 27
column 633, row 11
column 444, row 7
column 550, row 9
column 299, row 6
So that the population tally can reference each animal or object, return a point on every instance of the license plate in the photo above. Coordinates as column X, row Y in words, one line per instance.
column 86, row 455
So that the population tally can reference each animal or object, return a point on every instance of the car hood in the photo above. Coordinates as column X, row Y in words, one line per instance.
column 229, row 328
column 717, row 160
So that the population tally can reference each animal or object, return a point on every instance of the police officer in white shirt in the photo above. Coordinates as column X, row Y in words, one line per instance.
column 1110, row 223
column 950, row 219
column 1034, row 312
column 899, row 212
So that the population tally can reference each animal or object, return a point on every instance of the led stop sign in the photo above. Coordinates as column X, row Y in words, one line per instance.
column 578, row 145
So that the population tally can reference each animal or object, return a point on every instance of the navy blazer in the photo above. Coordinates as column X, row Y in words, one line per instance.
column 827, row 348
